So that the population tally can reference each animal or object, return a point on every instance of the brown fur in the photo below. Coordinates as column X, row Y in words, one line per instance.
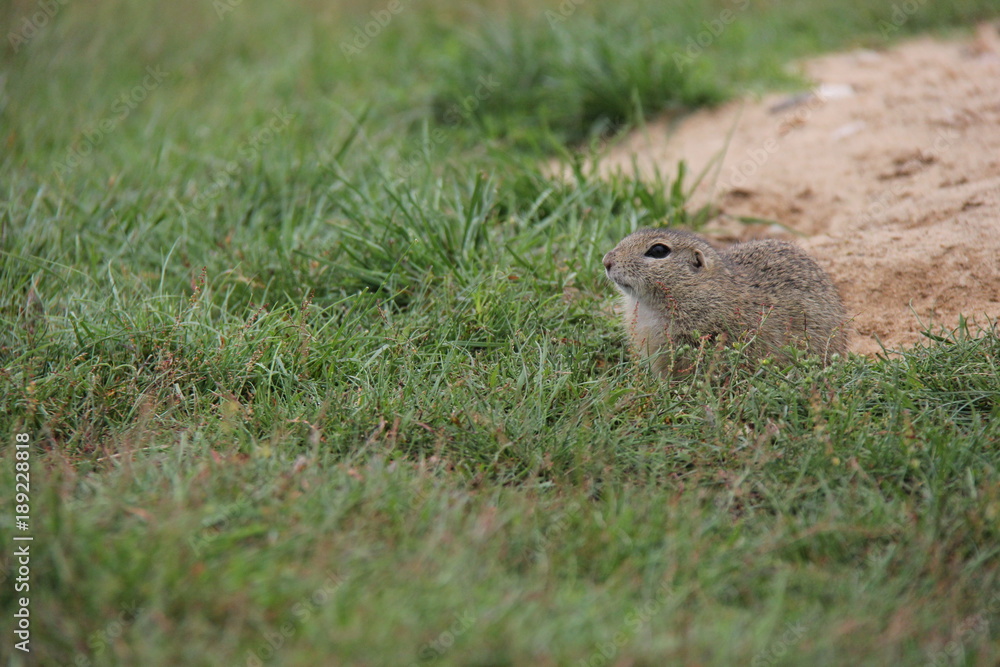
column 768, row 294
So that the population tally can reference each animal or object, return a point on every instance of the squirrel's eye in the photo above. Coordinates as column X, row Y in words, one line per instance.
column 658, row 251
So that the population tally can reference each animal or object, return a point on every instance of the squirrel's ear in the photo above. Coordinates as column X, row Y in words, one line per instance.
column 698, row 259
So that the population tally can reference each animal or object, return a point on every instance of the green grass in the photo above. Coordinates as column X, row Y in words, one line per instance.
column 318, row 370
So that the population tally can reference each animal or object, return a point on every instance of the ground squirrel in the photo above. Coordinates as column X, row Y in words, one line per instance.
column 677, row 289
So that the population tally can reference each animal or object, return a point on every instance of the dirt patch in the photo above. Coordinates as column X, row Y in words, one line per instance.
column 888, row 173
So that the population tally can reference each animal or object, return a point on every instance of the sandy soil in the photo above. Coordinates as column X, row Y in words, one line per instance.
column 888, row 173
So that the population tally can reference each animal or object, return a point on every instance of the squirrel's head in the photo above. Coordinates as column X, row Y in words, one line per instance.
column 649, row 262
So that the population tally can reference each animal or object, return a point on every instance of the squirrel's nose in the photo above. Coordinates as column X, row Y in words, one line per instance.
column 608, row 262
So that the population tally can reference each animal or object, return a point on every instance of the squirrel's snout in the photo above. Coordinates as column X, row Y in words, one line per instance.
column 608, row 262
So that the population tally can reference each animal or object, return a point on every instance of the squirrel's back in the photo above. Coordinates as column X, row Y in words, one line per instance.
column 791, row 285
